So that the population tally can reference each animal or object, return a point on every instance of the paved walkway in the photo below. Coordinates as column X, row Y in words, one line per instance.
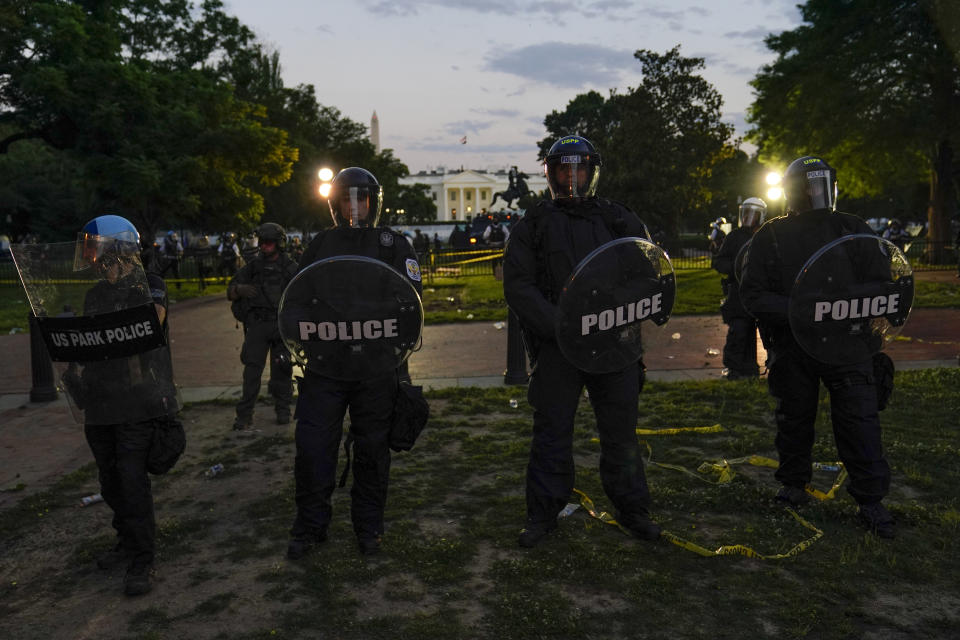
column 38, row 439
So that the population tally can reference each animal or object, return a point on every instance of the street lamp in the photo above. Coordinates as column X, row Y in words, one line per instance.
column 326, row 175
column 775, row 192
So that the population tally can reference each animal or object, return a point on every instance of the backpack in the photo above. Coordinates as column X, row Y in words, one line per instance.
column 410, row 415
column 166, row 446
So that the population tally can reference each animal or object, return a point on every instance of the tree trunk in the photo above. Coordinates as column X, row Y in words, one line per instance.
column 942, row 204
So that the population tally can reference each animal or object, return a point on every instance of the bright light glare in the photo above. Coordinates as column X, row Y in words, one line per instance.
column 326, row 174
column 774, row 193
column 325, row 190
column 774, row 178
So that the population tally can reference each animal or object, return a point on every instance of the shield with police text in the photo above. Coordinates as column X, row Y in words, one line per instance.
column 350, row 318
column 851, row 298
column 612, row 290
column 100, row 326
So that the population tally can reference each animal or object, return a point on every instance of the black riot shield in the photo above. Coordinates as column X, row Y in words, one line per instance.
column 851, row 298
column 350, row 318
column 608, row 295
column 102, row 332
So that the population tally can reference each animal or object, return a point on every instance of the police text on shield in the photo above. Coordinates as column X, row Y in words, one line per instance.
column 348, row 331
column 619, row 316
column 874, row 307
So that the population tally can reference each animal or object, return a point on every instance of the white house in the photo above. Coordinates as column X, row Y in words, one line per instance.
column 461, row 194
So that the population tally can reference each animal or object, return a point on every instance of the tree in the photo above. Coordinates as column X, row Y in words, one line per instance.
column 659, row 141
column 874, row 87
column 132, row 90
column 415, row 202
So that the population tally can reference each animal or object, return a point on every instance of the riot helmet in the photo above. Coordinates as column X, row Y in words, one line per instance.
column 753, row 211
column 231, row 237
column 105, row 241
column 809, row 183
column 355, row 198
column 572, row 168
column 271, row 232
column 718, row 223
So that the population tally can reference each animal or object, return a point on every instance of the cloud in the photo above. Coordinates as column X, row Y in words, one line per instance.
column 551, row 10
column 562, row 64
column 498, row 113
column 324, row 28
column 470, row 147
column 467, row 126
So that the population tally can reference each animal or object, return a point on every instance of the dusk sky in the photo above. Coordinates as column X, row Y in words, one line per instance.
column 438, row 70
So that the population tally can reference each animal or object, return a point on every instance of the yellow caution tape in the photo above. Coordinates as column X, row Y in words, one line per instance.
column 675, row 430
column 743, row 550
column 723, row 550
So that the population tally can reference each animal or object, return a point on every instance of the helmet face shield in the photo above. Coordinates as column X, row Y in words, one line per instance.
column 753, row 211
column 106, row 241
column 355, row 199
column 809, row 183
column 571, row 176
column 572, row 168
column 354, row 207
column 821, row 189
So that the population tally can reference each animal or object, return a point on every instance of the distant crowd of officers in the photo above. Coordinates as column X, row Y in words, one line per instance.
column 542, row 250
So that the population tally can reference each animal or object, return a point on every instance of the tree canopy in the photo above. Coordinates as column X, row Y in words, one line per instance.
column 166, row 111
column 873, row 86
column 663, row 142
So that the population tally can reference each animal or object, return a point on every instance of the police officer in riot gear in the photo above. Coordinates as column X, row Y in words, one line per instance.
column 355, row 202
column 229, row 252
column 256, row 291
column 544, row 248
column 778, row 251
column 717, row 234
column 120, row 419
column 740, row 349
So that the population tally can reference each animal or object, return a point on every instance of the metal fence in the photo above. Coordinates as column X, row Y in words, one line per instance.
column 201, row 270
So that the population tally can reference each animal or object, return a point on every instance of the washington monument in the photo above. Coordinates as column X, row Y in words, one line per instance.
column 375, row 131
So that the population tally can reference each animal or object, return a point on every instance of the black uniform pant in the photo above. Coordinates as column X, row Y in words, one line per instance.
column 554, row 393
column 794, row 381
column 740, row 349
column 322, row 404
column 260, row 338
column 120, row 451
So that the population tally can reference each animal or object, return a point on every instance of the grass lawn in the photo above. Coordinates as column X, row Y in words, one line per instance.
column 451, row 567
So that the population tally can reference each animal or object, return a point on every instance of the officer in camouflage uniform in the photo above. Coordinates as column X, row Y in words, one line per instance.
column 255, row 292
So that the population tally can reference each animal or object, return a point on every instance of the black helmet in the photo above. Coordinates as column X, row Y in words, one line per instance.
column 574, row 153
column 105, row 239
column 810, row 183
column 272, row 232
column 355, row 198
column 752, row 212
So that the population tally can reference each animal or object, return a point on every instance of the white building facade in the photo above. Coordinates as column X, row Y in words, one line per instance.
column 465, row 193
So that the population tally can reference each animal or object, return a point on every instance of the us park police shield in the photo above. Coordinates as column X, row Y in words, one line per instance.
column 851, row 298
column 610, row 293
column 102, row 331
column 350, row 318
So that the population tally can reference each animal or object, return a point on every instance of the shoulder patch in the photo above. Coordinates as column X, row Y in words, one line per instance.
column 413, row 269
column 386, row 239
